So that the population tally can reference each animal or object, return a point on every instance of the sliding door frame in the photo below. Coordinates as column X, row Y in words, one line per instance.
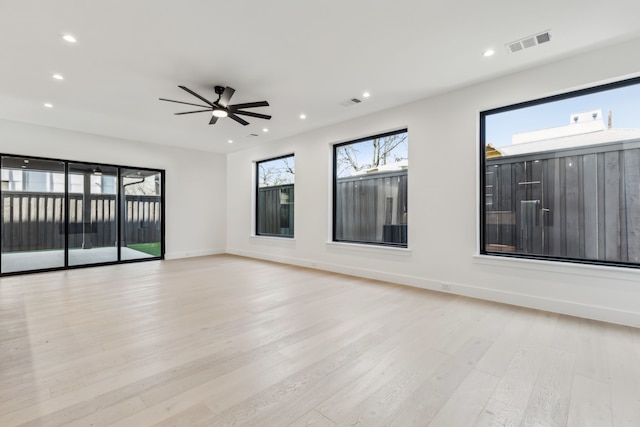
column 120, row 215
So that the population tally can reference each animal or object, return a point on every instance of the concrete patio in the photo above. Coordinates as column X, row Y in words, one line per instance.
column 36, row 260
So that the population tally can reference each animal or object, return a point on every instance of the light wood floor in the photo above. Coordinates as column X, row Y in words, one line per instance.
column 229, row 341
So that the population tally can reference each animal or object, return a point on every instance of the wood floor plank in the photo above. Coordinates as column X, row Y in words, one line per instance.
column 467, row 402
column 423, row 405
column 623, row 356
column 507, row 404
column 507, row 343
column 590, row 404
column 312, row 419
column 226, row 340
column 549, row 401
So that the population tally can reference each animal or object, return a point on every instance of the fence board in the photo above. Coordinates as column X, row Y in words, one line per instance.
column 632, row 193
column 590, row 205
column 572, row 206
column 612, row 205
column 601, row 205
column 35, row 221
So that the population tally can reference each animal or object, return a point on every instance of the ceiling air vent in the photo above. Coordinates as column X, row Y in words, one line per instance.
column 251, row 135
column 543, row 38
column 528, row 42
column 352, row 101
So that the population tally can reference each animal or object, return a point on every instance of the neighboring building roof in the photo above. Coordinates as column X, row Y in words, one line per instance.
column 579, row 123
column 584, row 129
column 585, row 139
column 491, row 151
column 400, row 165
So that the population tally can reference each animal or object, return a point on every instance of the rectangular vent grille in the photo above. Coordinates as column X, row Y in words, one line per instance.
column 514, row 47
column 528, row 42
column 543, row 38
column 349, row 102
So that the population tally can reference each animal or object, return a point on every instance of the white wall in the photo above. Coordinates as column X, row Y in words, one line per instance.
column 195, row 186
column 443, row 216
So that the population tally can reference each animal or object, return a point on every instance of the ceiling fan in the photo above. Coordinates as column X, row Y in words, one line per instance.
column 221, row 108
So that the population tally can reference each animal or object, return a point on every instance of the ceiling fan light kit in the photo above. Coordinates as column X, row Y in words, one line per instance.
column 221, row 108
column 219, row 112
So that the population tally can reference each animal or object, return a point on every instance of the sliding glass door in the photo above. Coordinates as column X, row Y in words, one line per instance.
column 59, row 214
column 142, row 214
column 93, row 215
column 33, row 214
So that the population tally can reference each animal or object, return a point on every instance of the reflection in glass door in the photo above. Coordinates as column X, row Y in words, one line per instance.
column 93, row 214
column 33, row 214
column 141, row 214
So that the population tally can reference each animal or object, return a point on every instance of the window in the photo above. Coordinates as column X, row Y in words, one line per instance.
column 370, row 190
column 58, row 214
column 275, row 180
column 561, row 177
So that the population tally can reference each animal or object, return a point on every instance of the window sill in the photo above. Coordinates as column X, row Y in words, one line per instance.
column 276, row 238
column 560, row 267
column 370, row 249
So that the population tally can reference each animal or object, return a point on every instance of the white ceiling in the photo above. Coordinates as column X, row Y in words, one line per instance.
column 300, row 55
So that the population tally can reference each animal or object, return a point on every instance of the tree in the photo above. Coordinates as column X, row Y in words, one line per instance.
column 276, row 172
column 141, row 186
column 381, row 151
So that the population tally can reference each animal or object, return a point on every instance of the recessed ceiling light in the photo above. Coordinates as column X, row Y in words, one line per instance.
column 265, row 130
column 230, row 141
column 58, row 77
column 488, row 52
column 366, row 95
column 303, row 116
column 69, row 38
column 48, row 105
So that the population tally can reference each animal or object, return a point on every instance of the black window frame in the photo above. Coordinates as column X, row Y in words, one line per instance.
column 257, row 203
column 546, row 154
column 334, row 195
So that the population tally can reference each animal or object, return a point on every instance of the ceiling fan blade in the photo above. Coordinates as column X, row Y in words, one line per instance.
column 191, row 112
column 180, row 102
column 238, row 119
column 196, row 95
column 226, row 96
column 249, row 113
column 248, row 105
column 213, row 120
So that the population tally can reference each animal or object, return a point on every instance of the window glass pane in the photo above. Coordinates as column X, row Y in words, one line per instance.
column 142, row 211
column 93, row 215
column 562, row 177
column 33, row 214
column 275, row 197
column 370, row 197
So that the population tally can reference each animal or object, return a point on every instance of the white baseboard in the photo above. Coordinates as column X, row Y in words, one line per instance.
column 189, row 254
column 523, row 300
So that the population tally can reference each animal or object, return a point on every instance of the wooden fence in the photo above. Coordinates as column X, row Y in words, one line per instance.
column 578, row 203
column 275, row 210
column 35, row 221
column 372, row 207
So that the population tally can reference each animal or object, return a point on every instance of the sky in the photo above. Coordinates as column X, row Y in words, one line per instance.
column 623, row 102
